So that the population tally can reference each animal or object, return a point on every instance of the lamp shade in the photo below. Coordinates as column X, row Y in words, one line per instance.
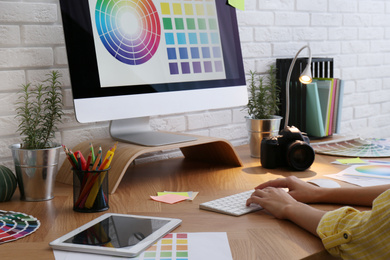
column 306, row 76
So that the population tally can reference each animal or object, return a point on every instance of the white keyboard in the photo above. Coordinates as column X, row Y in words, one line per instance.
column 232, row 205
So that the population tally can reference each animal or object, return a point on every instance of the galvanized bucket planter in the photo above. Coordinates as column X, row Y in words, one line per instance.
column 36, row 171
column 260, row 128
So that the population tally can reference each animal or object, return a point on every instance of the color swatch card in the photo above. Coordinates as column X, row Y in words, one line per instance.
column 372, row 171
column 133, row 38
column 359, row 147
column 371, row 174
column 16, row 225
column 174, row 246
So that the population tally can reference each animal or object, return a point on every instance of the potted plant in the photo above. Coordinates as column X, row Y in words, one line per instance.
column 38, row 110
column 263, row 106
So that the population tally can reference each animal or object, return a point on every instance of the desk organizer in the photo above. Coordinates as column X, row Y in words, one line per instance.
column 90, row 190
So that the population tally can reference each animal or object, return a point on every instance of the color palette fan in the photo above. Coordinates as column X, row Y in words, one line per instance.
column 359, row 147
column 16, row 225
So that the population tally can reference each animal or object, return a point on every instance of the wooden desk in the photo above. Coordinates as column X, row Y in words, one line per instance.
column 252, row 236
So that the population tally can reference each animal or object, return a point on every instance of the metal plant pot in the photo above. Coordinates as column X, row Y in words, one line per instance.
column 260, row 128
column 36, row 171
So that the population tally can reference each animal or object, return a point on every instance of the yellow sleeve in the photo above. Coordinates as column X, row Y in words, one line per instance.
column 351, row 234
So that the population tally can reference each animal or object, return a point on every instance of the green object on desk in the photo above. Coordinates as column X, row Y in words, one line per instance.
column 8, row 184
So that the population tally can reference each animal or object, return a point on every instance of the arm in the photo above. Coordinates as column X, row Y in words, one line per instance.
column 308, row 193
column 280, row 204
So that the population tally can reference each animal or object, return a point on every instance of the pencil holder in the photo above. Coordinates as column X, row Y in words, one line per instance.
column 90, row 190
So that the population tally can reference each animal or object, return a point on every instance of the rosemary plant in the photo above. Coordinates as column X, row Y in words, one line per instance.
column 39, row 110
column 263, row 95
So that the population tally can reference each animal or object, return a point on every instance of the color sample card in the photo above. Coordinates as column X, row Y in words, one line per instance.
column 374, row 171
column 174, row 246
column 359, row 147
column 156, row 41
column 16, row 225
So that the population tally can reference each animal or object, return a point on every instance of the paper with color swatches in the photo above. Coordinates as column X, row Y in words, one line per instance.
column 16, row 225
column 173, row 246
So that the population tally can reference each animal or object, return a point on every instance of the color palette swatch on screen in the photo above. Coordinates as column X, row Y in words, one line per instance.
column 359, row 147
column 191, row 35
column 129, row 29
column 16, row 225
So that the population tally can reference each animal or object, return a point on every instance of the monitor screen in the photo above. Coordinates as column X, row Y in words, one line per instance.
column 140, row 58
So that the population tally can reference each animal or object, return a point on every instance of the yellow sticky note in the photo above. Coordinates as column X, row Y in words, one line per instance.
column 351, row 161
column 176, row 193
column 239, row 4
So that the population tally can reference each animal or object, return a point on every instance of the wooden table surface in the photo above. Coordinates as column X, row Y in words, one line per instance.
column 253, row 236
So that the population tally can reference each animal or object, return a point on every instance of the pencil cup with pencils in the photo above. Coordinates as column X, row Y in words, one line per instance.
column 90, row 190
column 90, row 181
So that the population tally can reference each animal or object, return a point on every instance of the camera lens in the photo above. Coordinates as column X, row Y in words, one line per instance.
column 300, row 155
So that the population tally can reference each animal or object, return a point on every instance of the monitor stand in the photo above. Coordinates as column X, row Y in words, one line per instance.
column 207, row 149
column 138, row 131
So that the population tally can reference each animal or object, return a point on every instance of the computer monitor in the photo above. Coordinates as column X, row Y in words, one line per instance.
column 132, row 59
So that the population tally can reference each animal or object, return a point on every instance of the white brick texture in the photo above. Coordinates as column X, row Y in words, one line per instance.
column 356, row 33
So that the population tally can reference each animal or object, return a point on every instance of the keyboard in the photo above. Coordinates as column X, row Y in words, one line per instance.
column 234, row 205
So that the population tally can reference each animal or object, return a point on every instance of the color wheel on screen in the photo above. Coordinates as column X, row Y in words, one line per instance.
column 177, row 40
column 131, row 45
column 376, row 171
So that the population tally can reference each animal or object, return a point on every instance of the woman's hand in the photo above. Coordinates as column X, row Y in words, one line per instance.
column 276, row 201
column 283, row 206
column 298, row 189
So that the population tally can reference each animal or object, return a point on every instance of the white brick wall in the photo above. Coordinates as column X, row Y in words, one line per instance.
column 356, row 33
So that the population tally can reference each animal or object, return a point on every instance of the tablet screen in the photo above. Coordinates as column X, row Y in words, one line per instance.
column 117, row 232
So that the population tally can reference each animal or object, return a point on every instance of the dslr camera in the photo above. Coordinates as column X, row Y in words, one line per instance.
column 290, row 148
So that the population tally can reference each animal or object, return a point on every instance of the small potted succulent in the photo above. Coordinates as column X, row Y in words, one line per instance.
column 263, row 106
column 39, row 111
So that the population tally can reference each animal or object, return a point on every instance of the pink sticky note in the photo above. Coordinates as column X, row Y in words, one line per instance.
column 169, row 198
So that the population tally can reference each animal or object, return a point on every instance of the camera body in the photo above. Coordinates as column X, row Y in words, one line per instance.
column 290, row 148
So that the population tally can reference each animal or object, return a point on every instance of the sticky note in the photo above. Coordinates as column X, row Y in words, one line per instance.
column 169, row 198
column 190, row 194
column 175, row 193
column 239, row 4
column 351, row 161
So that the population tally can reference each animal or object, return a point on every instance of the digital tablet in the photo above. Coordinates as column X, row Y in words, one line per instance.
column 116, row 234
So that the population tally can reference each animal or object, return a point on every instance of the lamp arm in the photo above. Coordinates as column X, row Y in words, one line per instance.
column 287, row 115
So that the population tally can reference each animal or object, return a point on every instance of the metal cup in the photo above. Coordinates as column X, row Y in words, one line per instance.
column 36, row 171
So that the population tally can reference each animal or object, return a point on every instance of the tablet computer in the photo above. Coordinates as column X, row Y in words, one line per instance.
column 116, row 234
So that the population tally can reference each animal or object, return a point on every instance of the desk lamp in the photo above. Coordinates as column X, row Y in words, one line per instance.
column 305, row 78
